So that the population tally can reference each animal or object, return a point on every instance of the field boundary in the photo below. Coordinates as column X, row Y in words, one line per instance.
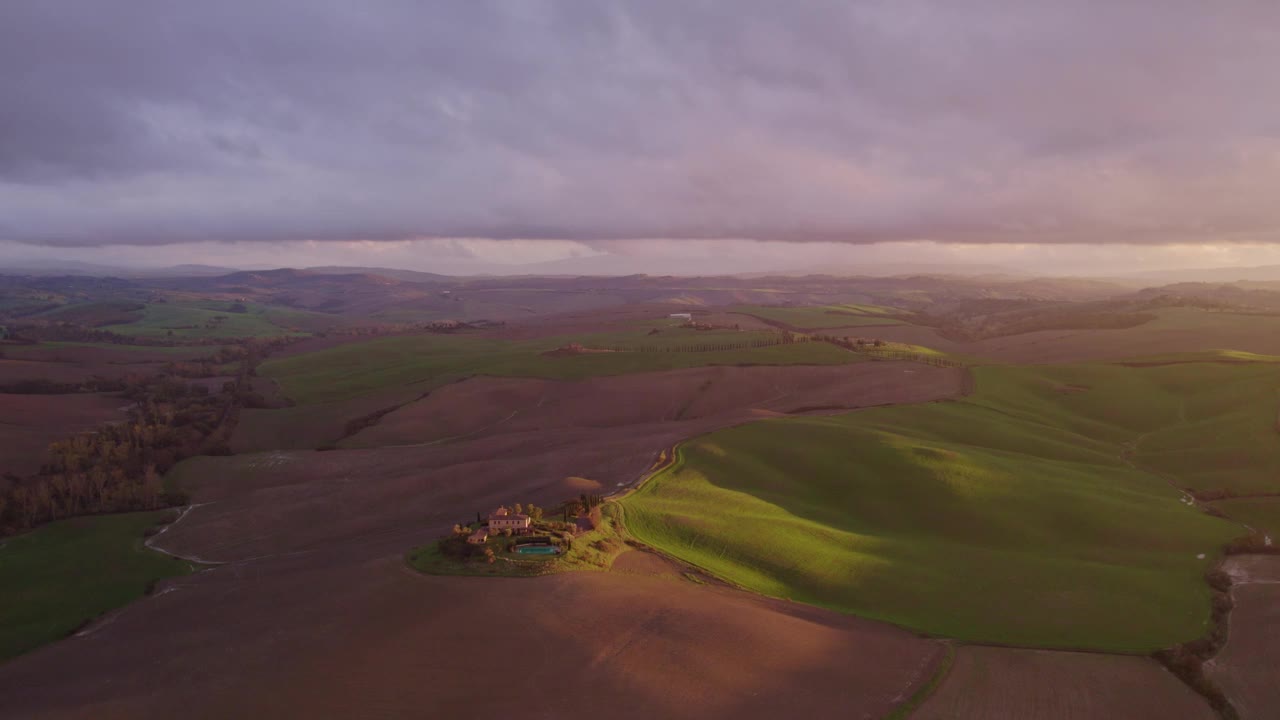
column 940, row 673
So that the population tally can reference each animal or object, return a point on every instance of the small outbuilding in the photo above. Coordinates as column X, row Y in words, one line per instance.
column 479, row 536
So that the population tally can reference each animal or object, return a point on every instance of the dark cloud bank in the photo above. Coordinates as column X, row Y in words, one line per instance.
column 158, row 122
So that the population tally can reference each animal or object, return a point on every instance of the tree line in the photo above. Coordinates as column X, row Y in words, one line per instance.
column 118, row 466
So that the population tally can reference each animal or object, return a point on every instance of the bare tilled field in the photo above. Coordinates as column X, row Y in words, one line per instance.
column 990, row 682
column 1246, row 667
column 286, row 501
column 309, row 426
column 486, row 406
column 316, row 636
column 28, row 423
column 77, row 363
column 12, row 371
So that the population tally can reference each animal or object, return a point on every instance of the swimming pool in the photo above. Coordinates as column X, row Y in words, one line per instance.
column 537, row 550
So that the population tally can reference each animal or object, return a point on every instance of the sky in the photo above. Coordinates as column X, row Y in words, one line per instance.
column 750, row 135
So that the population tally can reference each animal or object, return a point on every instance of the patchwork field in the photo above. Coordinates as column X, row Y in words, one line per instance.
column 66, row 573
column 283, row 501
column 315, row 537
column 844, row 509
column 422, row 362
column 28, row 423
column 481, row 406
column 990, row 682
column 1014, row 516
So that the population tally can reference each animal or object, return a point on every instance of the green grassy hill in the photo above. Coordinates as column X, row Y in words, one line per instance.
column 426, row 361
column 1212, row 427
column 1027, row 514
column 66, row 573
column 210, row 321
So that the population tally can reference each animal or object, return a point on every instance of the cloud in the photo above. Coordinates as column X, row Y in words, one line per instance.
column 142, row 122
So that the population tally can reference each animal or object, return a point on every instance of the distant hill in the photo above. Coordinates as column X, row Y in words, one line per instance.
column 406, row 275
column 898, row 269
column 1256, row 273
column 190, row 270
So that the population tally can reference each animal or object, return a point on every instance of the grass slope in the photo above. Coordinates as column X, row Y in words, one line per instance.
column 66, row 573
column 427, row 361
column 1262, row 514
column 1212, row 427
column 1014, row 517
column 192, row 321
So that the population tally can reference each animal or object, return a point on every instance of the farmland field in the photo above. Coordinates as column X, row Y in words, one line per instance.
column 68, row 572
column 105, row 352
column 188, row 321
column 879, row 532
column 29, row 423
column 281, row 501
column 426, row 361
column 817, row 318
column 1013, row 516
column 74, row 362
column 1246, row 666
column 991, row 682
column 483, row 406
column 1174, row 331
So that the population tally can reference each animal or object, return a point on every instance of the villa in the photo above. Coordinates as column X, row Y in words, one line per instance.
column 503, row 519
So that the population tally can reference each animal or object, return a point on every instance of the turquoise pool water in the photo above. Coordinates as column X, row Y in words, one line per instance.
column 536, row 550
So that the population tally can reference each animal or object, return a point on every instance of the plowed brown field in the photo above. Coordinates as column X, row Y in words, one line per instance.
column 1247, row 666
column 486, row 406
column 78, row 363
column 28, row 423
column 351, row 632
column 990, row 682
